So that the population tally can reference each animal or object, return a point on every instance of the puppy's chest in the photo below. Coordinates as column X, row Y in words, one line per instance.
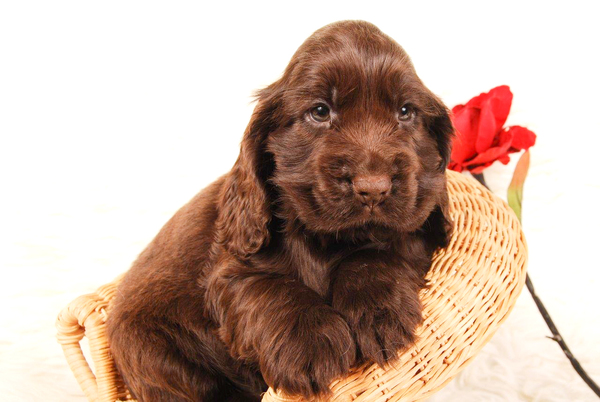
column 316, row 266
column 312, row 261
column 314, row 271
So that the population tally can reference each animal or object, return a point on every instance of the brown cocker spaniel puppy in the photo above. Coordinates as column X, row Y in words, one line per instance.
column 307, row 257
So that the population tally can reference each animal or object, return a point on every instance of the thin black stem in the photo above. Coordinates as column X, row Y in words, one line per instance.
column 559, row 339
column 555, row 334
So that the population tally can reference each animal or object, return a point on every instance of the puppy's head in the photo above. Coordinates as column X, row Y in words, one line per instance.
column 349, row 138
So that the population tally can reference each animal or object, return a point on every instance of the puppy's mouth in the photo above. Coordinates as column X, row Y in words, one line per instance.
column 369, row 214
column 336, row 205
column 370, row 211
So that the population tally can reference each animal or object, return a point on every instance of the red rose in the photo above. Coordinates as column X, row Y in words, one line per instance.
column 480, row 139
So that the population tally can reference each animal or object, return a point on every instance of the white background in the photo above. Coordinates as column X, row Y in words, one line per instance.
column 114, row 114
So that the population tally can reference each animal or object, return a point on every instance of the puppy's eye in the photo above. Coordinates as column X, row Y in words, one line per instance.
column 320, row 113
column 406, row 113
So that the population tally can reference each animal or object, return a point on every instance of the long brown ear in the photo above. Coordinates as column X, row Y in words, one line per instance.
column 244, row 207
column 441, row 127
column 438, row 227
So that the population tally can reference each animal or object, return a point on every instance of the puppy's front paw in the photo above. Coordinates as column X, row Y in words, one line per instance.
column 314, row 349
column 383, row 316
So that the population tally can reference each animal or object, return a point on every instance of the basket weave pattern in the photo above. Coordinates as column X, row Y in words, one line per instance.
column 475, row 282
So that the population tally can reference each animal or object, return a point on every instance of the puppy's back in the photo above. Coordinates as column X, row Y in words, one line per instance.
column 163, row 292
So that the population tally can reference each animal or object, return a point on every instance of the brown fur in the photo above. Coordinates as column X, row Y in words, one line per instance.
column 278, row 273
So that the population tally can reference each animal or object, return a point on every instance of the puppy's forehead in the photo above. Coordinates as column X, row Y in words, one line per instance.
column 350, row 58
column 359, row 37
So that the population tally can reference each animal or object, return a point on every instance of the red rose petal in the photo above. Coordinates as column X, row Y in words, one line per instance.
column 495, row 106
column 455, row 166
column 465, row 121
column 457, row 108
column 491, row 154
column 522, row 138
column 505, row 159
column 504, row 138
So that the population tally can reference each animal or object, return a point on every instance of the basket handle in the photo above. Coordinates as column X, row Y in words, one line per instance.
column 86, row 316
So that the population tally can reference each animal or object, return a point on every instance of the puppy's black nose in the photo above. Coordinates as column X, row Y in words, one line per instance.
column 371, row 190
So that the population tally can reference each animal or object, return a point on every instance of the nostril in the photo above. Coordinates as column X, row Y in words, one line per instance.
column 372, row 189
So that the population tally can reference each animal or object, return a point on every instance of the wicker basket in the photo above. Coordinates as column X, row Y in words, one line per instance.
column 475, row 283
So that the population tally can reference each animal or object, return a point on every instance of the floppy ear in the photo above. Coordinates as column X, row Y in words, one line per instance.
column 440, row 126
column 244, row 213
column 438, row 227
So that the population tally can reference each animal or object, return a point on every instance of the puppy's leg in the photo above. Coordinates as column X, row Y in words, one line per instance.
column 378, row 295
column 300, row 342
column 156, row 366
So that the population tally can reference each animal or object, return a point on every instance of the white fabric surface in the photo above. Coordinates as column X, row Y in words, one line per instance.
column 114, row 114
